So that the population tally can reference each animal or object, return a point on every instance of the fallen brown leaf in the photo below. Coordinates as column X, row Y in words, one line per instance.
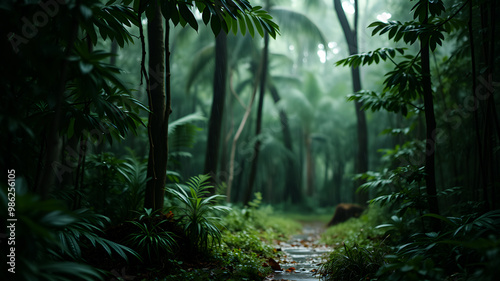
column 274, row 264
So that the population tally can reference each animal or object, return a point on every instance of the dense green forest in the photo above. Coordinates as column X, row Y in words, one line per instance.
column 197, row 140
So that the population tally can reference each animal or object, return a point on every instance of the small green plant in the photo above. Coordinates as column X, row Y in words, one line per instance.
column 151, row 236
column 197, row 213
column 353, row 263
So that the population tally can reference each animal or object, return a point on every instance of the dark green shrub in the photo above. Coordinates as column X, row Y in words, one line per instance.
column 152, row 237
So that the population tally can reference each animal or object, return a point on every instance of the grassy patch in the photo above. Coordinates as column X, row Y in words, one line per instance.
column 361, row 231
column 359, row 248
column 353, row 263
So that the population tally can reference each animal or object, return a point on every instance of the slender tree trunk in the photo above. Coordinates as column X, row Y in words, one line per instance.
column 327, row 190
column 337, row 181
column 485, row 116
column 238, row 134
column 114, row 51
column 292, row 189
column 217, row 111
column 430, row 123
column 351, row 36
column 258, row 128
column 159, row 100
column 310, row 173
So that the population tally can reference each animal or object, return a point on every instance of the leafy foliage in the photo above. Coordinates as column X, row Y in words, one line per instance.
column 355, row 263
column 111, row 21
column 375, row 102
column 86, row 229
column 115, row 187
column 94, row 105
column 460, row 247
column 403, row 84
column 51, row 240
column 197, row 212
column 375, row 56
column 248, row 241
column 232, row 264
column 151, row 236
column 226, row 15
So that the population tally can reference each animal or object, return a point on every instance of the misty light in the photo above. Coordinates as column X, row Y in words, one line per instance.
column 322, row 55
column 348, row 6
column 291, row 47
column 384, row 17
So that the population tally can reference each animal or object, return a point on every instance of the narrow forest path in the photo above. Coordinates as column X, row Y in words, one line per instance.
column 302, row 255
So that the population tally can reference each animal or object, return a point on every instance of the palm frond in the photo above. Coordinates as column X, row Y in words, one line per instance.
column 201, row 60
column 298, row 26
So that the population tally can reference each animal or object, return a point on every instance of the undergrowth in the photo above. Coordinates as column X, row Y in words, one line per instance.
column 362, row 230
column 245, row 245
column 359, row 248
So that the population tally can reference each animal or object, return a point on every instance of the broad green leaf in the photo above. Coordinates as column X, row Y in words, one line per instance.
column 258, row 26
column 188, row 16
column 249, row 25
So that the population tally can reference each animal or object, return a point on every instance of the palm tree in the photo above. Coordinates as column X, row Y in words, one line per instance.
column 297, row 21
column 222, row 15
column 351, row 36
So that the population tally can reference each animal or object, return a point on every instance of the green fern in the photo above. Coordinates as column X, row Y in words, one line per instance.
column 87, row 227
column 151, row 239
column 50, row 240
column 197, row 212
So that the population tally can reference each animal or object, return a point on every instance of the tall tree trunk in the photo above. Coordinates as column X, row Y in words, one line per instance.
column 430, row 123
column 351, row 36
column 258, row 128
column 53, row 140
column 485, row 113
column 159, row 102
column 292, row 190
column 217, row 111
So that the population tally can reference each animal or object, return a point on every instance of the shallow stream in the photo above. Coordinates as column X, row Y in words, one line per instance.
column 302, row 255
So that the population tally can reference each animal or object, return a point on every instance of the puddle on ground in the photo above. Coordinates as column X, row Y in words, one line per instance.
column 301, row 256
